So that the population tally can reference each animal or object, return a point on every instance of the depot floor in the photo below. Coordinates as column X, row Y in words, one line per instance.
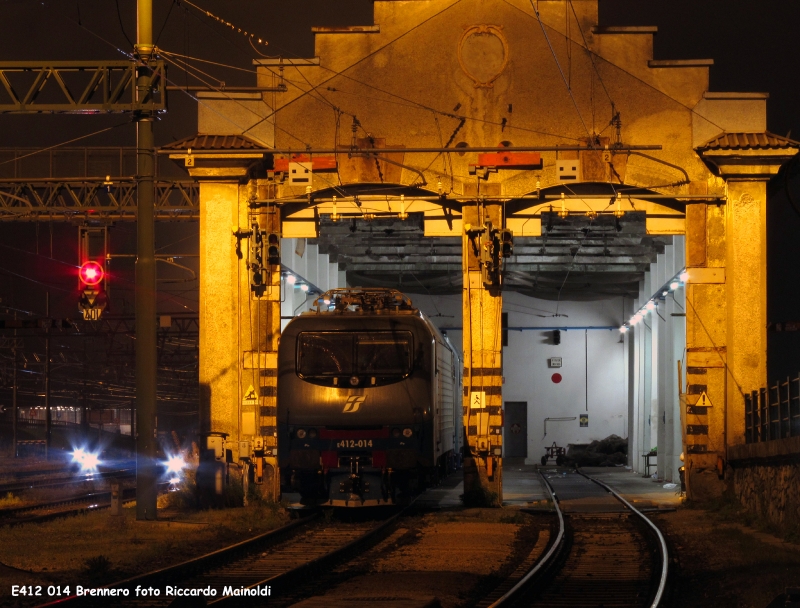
column 522, row 487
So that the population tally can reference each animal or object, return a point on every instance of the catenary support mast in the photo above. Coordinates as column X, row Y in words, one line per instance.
column 146, row 422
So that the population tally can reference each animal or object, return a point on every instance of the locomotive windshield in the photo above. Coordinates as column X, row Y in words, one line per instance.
column 335, row 354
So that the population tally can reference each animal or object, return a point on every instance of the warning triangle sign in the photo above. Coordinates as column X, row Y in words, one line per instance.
column 703, row 401
column 250, row 397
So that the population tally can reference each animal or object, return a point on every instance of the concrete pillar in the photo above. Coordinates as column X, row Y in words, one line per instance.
column 678, row 352
column 219, row 314
column 726, row 326
column 660, row 321
column 707, row 347
column 746, row 279
column 656, row 378
column 239, row 330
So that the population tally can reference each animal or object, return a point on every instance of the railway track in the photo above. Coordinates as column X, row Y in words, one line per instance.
column 273, row 564
column 76, row 479
column 69, row 468
column 87, row 502
column 606, row 553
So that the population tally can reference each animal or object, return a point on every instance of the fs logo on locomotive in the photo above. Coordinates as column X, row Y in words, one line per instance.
column 353, row 403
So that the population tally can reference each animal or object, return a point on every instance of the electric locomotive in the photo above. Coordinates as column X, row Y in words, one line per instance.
column 369, row 400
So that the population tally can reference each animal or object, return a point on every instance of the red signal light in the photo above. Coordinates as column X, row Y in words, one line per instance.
column 91, row 273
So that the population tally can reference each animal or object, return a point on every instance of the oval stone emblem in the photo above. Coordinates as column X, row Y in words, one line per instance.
column 483, row 53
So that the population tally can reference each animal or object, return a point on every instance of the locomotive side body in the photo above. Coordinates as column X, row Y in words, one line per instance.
column 365, row 405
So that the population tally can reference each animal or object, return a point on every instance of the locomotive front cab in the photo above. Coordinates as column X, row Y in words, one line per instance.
column 353, row 405
column 354, row 359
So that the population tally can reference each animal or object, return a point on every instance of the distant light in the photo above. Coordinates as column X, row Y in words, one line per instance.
column 650, row 305
column 635, row 319
column 78, row 455
column 175, row 464
column 674, row 285
column 326, row 301
column 664, row 293
column 303, row 287
column 291, row 279
column 87, row 460
column 684, row 276
column 623, row 329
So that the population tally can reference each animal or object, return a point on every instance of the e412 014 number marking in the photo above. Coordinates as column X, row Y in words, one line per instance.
column 354, row 443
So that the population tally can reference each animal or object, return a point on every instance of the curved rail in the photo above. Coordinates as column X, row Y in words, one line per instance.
column 547, row 556
column 510, row 596
column 661, row 540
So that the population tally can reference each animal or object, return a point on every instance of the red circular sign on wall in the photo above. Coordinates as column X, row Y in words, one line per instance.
column 556, row 378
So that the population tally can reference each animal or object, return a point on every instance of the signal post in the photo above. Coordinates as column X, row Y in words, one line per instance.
column 482, row 303
column 261, row 364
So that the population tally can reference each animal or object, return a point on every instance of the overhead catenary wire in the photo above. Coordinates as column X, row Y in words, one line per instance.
column 375, row 51
column 590, row 54
column 405, row 100
column 634, row 76
column 276, row 126
column 64, row 143
column 378, row 89
column 560, row 70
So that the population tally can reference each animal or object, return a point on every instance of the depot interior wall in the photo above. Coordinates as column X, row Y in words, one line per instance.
column 527, row 376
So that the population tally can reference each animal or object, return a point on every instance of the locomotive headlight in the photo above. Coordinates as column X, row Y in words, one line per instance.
column 407, row 433
column 354, row 380
column 395, row 432
column 301, row 433
column 312, row 433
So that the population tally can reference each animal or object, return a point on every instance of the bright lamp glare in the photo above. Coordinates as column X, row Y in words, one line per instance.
column 87, row 460
column 175, row 464
column 326, row 301
column 650, row 305
column 304, row 287
column 90, row 461
column 674, row 285
column 91, row 273
column 684, row 276
column 623, row 329
column 291, row 279
column 635, row 319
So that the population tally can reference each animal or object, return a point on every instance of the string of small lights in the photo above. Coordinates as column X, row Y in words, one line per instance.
column 238, row 30
column 651, row 304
